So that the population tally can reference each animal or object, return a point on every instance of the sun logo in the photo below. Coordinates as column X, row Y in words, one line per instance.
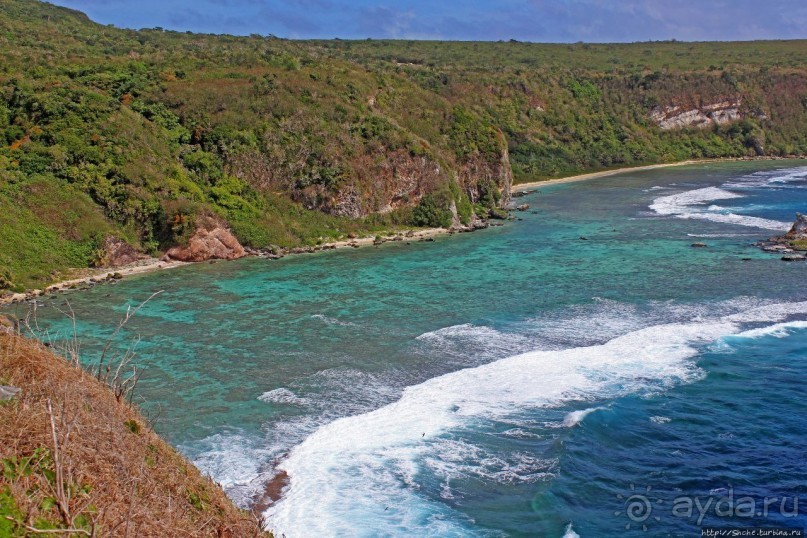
column 638, row 507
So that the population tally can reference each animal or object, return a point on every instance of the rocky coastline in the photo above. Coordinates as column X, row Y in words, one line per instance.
column 792, row 245
column 213, row 241
column 218, row 244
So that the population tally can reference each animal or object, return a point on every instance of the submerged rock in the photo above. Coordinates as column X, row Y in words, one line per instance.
column 699, row 245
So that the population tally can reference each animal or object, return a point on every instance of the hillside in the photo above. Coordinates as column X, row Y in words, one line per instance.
column 74, row 457
column 140, row 134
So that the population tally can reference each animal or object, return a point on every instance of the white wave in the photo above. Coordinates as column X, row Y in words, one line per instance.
column 346, row 454
column 658, row 419
column 234, row 461
column 576, row 417
column 767, row 178
column 283, row 396
column 358, row 474
column 519, row 433
column 453, row 459
column 779, row 330
column 332, row 321
column 486, row 343
column 677, row 204
column 690, row 205
column 709, row 236
column 569, row 533
column 768, row 313
column 742, row 220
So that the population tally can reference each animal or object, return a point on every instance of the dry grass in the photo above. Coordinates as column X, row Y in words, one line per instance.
column 77, row 459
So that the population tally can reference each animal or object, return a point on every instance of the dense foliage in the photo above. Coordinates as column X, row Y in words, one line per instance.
column 104, row 130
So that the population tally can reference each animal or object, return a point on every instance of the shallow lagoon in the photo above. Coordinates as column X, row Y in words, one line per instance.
column 639, row 370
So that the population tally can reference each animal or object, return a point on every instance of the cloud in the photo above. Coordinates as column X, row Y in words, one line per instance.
column 394, row 24
column 635, row 20
column 526, row 20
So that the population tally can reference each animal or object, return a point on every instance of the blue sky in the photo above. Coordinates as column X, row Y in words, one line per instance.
column 525, row 20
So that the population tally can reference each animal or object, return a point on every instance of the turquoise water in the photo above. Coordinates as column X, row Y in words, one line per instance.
column 516, row 381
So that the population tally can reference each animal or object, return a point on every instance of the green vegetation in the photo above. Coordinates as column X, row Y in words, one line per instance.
column 138, row 133
column 799, row 245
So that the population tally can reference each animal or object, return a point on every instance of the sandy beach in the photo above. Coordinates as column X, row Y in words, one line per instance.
column 605, row 173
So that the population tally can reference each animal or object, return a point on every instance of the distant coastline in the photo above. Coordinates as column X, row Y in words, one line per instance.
column 605, row 173
column 93, row 276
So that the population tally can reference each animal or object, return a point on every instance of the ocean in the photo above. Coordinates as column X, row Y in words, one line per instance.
column 582, row 371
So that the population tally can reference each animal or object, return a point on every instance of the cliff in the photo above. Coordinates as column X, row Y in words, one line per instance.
column 675, row 117
column 80, row 460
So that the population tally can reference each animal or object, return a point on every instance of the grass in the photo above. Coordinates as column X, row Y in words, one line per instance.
column 107, row 474
column 799, row 244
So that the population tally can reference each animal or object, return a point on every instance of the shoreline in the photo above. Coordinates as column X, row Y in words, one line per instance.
column 149, row 265
column 606, row 173
column 92, row 277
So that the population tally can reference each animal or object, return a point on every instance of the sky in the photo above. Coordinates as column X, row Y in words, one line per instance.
column 485, row 20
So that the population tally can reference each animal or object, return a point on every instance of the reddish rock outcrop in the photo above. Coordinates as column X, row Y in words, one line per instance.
column 208, row 243
column 117, row 253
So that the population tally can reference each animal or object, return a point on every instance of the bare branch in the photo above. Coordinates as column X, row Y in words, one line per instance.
column 130, row 312
column 61, row 498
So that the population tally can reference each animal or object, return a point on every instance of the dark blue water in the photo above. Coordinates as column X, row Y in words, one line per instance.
column 510, row 382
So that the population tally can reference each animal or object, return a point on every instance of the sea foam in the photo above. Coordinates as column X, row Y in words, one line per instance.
column 693, row 205
column 770, row 178
column 576, row 417
column 358, row 473
column 570, row 532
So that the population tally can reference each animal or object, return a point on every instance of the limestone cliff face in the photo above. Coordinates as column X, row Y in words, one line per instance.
column 679, row 116
column 479, row 175
column 385, row 182
column 398, row 179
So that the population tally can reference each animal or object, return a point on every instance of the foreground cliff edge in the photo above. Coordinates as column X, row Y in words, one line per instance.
column 80, row 460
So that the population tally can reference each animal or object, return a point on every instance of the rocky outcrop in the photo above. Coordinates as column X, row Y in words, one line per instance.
column 794, row 240
column 210, row 241
column 348, row 203
column 116, row 252
column 799, row 229
column 678, row 116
